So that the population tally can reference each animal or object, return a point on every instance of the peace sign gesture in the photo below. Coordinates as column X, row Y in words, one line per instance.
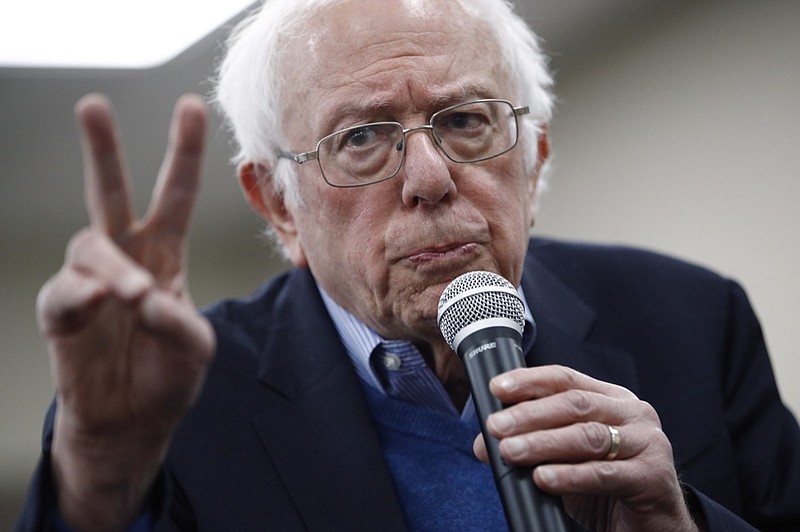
column 128, row 349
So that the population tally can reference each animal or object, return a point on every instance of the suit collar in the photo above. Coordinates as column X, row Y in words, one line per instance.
column 303, row 346
column 565, row 323
column 314, row 421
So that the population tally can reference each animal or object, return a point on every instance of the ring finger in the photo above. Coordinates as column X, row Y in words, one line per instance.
column 580, row 442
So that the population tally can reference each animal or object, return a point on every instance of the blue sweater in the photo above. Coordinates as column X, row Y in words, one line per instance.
column 441, row 485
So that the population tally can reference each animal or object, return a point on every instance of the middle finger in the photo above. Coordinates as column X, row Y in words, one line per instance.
column 559, row 410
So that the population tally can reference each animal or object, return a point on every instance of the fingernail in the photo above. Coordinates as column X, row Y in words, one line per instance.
column 132, row 284
column 514, row 447
column 547, row 474
column 506, row 383
column 502, row 422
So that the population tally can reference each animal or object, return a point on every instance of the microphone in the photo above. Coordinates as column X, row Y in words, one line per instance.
column 481, row 317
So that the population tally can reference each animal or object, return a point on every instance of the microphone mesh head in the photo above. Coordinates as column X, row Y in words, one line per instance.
column 476, row 296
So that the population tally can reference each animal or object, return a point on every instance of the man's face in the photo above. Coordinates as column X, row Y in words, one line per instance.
column 386, row 251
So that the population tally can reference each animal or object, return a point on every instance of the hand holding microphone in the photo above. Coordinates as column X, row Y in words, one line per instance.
column 482, row 318
column 605, row 447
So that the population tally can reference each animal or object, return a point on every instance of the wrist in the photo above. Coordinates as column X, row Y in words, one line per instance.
column 694, row 508
column 101, row 483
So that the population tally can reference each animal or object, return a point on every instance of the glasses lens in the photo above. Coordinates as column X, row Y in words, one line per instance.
column 476, row 131
column 362, row 154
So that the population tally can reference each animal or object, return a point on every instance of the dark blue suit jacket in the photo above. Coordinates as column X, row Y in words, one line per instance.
column 281, row 437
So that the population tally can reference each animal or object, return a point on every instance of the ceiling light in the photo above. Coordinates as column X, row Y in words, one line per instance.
column 106, row 33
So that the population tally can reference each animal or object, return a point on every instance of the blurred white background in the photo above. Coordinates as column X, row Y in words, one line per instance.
column 678, row 129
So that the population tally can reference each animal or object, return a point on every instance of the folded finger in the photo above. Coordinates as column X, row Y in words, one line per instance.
column 94, row 254
column 561, row 409
column 163, row 313
column 582, row 442
column 527, row 383
column 611, row 478
column 66, row 301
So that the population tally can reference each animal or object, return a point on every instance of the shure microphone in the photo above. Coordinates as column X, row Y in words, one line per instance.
column 482, row 317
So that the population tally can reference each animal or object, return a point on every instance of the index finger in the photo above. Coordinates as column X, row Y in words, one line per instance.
column 528, row 383
column 106, row 187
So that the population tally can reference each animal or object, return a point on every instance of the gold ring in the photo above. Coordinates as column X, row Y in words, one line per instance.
column 615, row 443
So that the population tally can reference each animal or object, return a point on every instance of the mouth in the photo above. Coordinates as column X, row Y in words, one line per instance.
column 439, row 253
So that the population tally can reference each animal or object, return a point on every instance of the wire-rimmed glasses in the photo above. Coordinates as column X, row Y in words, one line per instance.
column 370, row 153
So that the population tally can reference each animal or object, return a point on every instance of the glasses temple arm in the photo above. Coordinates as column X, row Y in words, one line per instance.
column 299, row 158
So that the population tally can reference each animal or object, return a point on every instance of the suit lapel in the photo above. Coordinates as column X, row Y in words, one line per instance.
column 564, row 324
column 315, row 424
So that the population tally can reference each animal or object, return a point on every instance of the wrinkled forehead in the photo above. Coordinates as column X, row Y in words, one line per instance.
column 354, row 39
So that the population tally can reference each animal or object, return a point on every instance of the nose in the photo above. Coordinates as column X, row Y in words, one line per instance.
column 427, row 178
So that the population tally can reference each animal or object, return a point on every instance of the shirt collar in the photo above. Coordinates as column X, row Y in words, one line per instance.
column 360, row 340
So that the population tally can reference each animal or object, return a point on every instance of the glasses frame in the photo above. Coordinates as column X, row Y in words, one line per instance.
column 304, row 157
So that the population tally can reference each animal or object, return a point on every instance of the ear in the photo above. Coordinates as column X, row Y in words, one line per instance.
column 260, row 192
column 542, row 154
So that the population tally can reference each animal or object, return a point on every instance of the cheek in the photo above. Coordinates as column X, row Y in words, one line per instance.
column 324, row 208
column 505, row 205
column 342, row 228
column 363, row 236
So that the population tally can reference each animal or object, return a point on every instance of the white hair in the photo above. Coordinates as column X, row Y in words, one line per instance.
column 250, row 81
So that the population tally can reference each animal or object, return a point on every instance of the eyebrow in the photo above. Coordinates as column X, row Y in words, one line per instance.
column 361, row 111
column 460, row 93
column 353, row 110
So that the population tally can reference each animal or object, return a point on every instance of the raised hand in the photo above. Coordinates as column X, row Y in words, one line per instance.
column 559, row 421
column 128, row 349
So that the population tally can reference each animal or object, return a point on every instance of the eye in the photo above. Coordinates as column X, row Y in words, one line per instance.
column 463, row 120
column 359, row 137
column 377, row 135
column 470, row 121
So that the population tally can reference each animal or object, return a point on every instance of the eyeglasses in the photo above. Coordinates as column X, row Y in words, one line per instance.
column 370, row 153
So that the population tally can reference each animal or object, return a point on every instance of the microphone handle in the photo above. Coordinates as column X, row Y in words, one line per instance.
column 486, row 353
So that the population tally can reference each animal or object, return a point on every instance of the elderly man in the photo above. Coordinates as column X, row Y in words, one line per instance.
column 391, row 146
